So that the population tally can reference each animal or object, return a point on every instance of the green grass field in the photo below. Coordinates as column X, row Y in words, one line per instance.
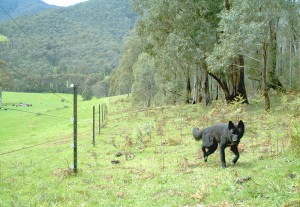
column 160, row 162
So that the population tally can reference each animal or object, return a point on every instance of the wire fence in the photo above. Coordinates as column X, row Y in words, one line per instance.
column 41, row 153
column 86, row 134
column 46, row 151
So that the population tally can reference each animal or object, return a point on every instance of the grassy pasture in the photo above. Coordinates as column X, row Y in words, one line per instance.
column 160, row 163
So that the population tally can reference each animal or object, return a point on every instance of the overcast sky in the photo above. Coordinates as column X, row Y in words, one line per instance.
column 63, row 2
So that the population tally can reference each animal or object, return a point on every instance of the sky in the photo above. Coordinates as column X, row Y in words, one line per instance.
column 63, row 2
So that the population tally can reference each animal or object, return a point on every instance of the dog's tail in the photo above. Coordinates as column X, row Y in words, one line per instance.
column 197, row 134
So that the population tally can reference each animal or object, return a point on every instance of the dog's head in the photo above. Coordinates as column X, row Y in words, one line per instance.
column 236, row 131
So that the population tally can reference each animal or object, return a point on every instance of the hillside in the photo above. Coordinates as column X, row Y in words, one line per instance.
column 17, row 8
column 66, row 44
column 145, row 157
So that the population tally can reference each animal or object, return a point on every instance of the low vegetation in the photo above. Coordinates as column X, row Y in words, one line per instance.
column 145, row 157
column 3, row 38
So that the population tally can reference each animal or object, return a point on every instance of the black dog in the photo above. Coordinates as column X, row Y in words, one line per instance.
column 224, row 134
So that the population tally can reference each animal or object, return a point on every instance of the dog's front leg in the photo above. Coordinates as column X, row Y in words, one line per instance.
column 204, row 154
column 235, row 150
column 222, row 155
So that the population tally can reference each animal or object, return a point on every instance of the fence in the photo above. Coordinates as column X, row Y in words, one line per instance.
column 59, row 145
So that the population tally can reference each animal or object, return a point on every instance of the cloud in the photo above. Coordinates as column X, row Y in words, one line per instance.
column 63, row 2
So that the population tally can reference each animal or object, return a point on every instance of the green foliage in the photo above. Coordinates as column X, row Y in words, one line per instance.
column 3, row 38
column 122, row 78
column 101, row 89
column 73, row 41
column 144, row 87
column 245, row 28
column 177, row 34
column 87, row 94
column 184, row 37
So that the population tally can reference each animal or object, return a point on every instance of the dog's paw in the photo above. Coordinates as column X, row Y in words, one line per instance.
column 234, row 161
column 224, row 165
column 205, row 159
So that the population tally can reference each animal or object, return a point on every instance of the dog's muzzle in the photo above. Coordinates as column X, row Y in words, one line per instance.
column 234, row 139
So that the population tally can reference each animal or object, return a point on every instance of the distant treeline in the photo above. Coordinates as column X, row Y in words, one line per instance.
column 48, row 50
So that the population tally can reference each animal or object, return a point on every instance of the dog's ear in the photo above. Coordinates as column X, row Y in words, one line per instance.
column 230, row 125
column 241, row 125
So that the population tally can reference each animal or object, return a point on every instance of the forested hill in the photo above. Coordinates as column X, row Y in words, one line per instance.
column 66, row 42
column 17, row 8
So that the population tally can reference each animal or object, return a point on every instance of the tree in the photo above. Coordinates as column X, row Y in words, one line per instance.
column 226, row 63
column 101, row 89
column 177, row 34
column 87, row 93
column 53, row 42
column 122, row 78
column 144, row 87
column 192, row 40
column 249, row 27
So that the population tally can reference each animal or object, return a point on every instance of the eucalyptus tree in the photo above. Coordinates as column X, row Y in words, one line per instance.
column 226, row 63
column 122, row 79
column 249, row 27
column 288, row 38
column 144, row 87
column 195, row 39
column 178, row 35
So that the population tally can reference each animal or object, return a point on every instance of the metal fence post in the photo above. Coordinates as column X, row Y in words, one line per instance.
column 94, row 126
column 102, row 113
column 75, row 127
column 99, row 120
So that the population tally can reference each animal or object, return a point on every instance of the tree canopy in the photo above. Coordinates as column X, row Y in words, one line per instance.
column 61, row 45
column 224, row 47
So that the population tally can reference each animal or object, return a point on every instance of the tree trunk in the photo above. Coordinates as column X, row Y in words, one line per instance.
column 196, row 97
column 241, row 89
column 148, row 102
column 205, row 85
column 264, row 77
column 227, row 5
column 290, row 66
column 0, row 98
column 234, row 88
column 272, row 79
column 217, row 91
column 236, row 78
column 236, row 83
column 222, row 83
column 188, row 88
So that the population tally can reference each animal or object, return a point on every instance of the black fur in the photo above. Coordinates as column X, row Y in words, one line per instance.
column 223, row 134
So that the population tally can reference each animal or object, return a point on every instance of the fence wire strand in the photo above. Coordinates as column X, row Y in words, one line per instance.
column 34, row 164
column 36, row 113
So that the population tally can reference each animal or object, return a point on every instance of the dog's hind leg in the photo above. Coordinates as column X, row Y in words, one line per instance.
column 204, row 154
column 235, row 150
column 211, row 150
